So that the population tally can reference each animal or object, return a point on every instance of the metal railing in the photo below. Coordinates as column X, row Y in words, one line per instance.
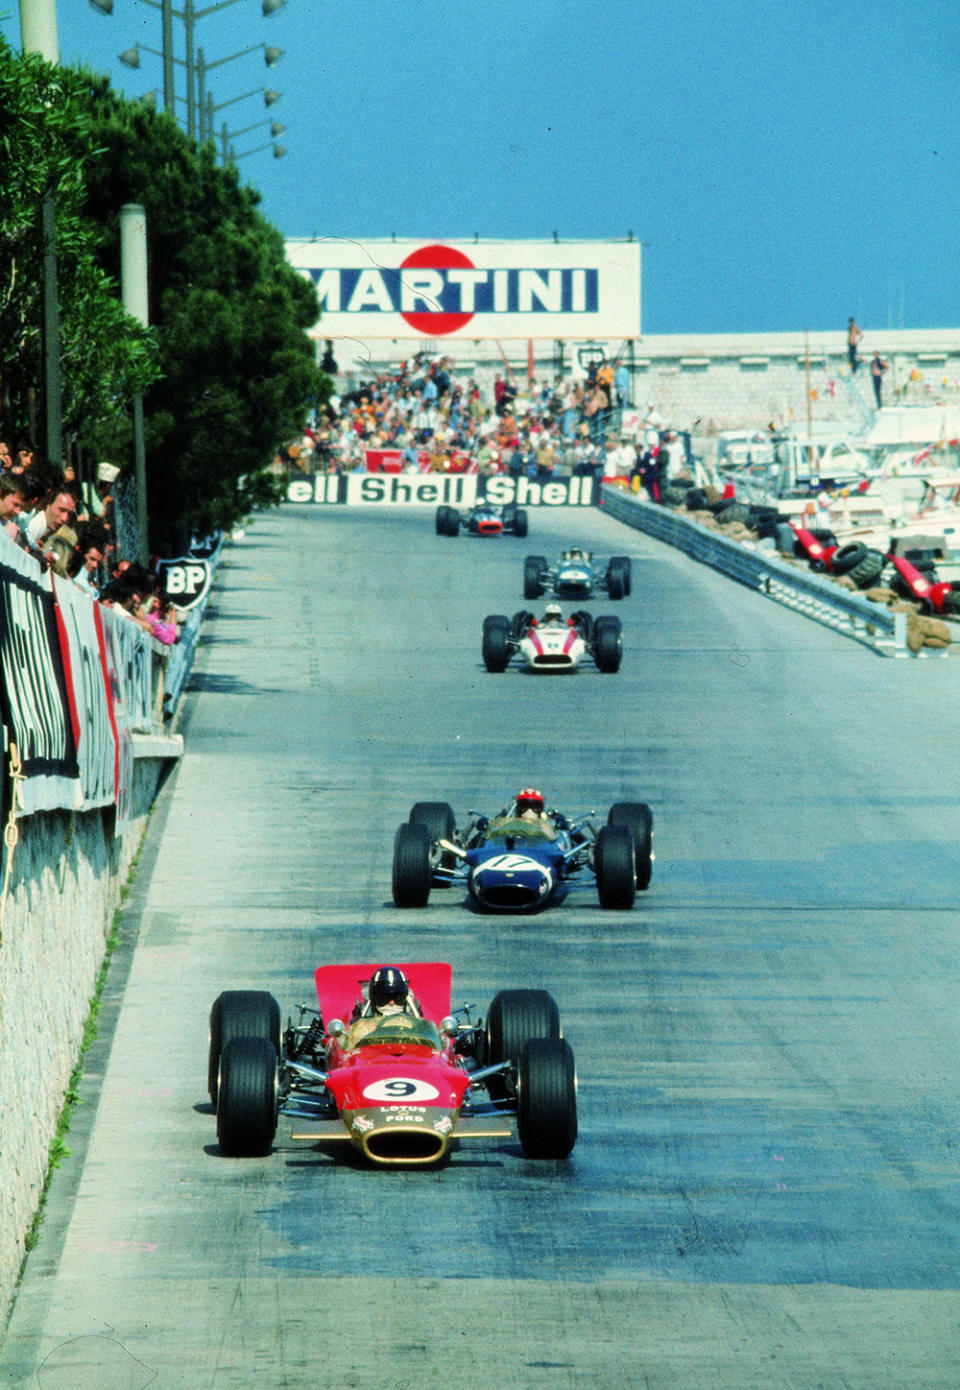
column 811, row 594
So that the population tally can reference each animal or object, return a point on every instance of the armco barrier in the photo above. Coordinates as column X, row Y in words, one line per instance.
column 180, row 659
column 808, row 593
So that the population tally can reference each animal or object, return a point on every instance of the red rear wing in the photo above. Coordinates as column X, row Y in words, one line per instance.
column 340, row 986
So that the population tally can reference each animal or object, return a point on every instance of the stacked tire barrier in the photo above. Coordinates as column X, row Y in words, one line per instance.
column 817, row 597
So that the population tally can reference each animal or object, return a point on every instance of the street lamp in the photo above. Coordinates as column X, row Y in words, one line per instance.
column 278, row 152
column 226, row 135
column 271, row 56
column 189, row 16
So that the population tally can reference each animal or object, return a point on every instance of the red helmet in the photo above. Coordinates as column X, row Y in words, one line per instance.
column 529, row 799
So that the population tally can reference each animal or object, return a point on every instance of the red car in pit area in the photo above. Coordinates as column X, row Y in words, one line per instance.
column 409, row 1089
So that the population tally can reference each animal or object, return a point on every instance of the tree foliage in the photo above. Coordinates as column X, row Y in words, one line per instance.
column 230, row 316
column 46, row 148
column 226, row 370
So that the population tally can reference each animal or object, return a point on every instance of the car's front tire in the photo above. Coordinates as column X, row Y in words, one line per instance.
column 247, row 1103
column 614, row 868
column 638, row 816
column 547, row 1098
column 412, row 873
column 608, row 644
column 495, row 647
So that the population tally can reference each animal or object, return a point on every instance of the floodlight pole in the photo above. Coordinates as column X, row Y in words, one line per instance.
column 38, row 34
column 133, row 285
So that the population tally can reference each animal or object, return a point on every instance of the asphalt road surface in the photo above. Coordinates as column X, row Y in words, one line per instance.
column 765, row 1189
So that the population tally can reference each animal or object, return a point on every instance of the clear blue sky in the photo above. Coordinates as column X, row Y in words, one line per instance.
column 786, row 163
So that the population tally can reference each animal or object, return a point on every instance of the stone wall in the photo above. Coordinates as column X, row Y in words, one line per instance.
column 66, row 879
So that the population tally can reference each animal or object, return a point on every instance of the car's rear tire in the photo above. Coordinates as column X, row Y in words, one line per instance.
column 620, row 564
column 441, row 521
column 608, row 644
column 615, row 868
column 412, row 873
column 240, row 1013
column 247, row 1105
column 453, row 522
column 547, row 1098
column 583, row 622
column 617, row 578
column 638, row 816
column 496, row 644
column 534, row 568
column 521, row 524
column 519, row 623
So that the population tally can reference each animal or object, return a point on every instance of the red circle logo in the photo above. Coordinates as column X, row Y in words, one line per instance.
column 436, row 322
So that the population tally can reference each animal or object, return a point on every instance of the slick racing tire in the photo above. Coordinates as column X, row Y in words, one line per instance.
column 240, row 1013
column 583, row 622
column 618, row 577
column 521, row 522
column 638, row 816
column 615, row 868
column 451, row 524
column 247, row 1105
column 519, row 623
column 534, row 569
column 623, row 564
column 547, row 1098
column 441, row 824
column 608, row 644
column 412, row 873
column 514, row 1017
column 496, row 645
column 441, row 521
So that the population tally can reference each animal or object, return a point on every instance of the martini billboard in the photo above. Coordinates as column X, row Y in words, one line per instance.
column 472, row 289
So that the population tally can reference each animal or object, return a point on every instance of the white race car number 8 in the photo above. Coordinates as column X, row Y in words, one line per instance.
column 400, row 1088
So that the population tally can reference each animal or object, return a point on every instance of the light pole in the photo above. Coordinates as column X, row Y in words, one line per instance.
column 206, row 119
column 38, row 34
column 276, row 129
column 189, row 16
column 271, row 56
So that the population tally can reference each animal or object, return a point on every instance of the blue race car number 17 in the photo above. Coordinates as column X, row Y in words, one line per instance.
column 400, row 1088
column 512, row 864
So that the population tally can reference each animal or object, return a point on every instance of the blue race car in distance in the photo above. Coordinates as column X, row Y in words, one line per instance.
column 524, row 858
column 577, row 574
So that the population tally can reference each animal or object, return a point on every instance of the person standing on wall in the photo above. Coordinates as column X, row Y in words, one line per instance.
column 877, row 369
column 853, row 339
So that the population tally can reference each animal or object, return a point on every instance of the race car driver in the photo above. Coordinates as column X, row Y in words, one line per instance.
column 388, row 995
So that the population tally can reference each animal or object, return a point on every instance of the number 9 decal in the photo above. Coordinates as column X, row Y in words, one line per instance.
column 400, row 1088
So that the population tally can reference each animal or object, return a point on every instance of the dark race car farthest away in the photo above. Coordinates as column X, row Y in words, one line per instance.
column 509, row 864
column 485, row 519
column 406, row 1093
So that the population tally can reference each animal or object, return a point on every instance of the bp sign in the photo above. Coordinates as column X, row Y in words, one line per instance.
column 186, row 581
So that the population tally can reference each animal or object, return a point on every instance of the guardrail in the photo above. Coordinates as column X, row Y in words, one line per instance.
column 808, row 593
column 180, row 658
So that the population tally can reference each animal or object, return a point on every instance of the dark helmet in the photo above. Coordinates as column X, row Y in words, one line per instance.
column 388, row 985
column 529, row 799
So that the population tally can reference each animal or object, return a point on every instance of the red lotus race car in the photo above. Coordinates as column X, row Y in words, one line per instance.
column 402, row 1089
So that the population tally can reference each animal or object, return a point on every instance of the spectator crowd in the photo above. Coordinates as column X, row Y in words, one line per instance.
column 426, row 419
column 71, row 530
